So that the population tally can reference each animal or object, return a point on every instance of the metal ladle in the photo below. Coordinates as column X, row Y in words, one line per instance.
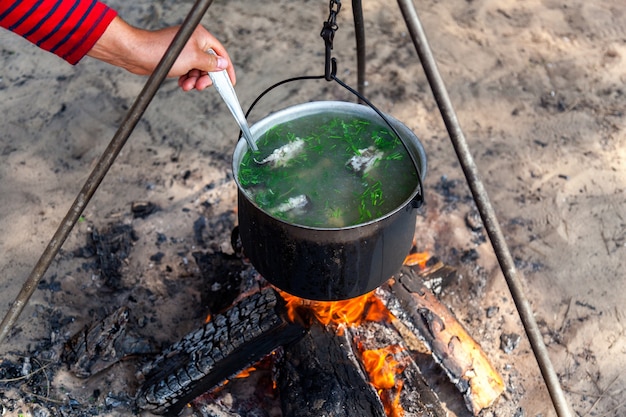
column 225, row 88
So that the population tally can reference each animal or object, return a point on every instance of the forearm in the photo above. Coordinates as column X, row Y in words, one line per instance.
column 139, row 51
column 124, row 46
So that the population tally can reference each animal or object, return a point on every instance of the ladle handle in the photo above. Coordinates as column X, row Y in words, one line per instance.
column 223, row 85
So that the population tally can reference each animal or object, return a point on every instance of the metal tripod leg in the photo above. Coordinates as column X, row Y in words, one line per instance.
column 484, row 206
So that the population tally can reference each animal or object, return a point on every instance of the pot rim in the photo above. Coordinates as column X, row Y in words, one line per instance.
column 409, row 138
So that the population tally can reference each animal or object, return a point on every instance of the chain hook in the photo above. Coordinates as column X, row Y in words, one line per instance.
column 328, row 34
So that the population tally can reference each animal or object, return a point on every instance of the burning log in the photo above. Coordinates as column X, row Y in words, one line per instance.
column 452, row 347
column 321, row 376
column 394, row 373
column 227, row 344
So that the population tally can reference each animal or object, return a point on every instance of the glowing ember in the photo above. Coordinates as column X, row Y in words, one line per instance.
column 245, row 373
column 353, row 312
column 382, row 368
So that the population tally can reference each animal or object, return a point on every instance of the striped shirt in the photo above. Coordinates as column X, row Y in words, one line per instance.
column 67, row 28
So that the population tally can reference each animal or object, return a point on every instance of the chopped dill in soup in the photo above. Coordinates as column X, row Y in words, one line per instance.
column 328, row 172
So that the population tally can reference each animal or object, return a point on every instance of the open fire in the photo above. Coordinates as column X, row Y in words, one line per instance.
column 352, row 346
column 380, row 364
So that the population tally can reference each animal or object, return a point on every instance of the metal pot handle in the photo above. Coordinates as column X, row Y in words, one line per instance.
column 419, row 198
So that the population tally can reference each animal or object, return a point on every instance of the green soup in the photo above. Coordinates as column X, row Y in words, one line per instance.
column 328, row 172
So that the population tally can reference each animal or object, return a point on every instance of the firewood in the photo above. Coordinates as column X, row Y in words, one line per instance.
column 416, row 398
column 321, row 377
column 205, row 358
column 463, row 360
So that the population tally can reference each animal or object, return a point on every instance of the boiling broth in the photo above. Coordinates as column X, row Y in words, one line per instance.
column 328, row 172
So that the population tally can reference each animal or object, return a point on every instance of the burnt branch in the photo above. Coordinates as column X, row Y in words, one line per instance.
column 205, row 358
column 103, row 344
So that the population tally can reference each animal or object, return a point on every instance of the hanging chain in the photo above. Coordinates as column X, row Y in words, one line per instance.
column 328, row 34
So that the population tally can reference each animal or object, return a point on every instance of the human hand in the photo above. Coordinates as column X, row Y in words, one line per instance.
column 139, row 51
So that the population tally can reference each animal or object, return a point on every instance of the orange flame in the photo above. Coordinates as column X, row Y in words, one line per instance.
column 382, row 368
column 391, row 401
column 380, row 365
column 417, row 258
column 354, row 311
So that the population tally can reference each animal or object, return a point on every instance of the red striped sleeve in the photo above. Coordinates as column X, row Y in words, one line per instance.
column 67, row 28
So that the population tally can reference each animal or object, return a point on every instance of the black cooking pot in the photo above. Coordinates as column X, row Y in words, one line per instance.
column 327, row 264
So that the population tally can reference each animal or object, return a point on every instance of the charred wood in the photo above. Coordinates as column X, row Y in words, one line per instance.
column 102, row 344
column 227, row 344
column 416, row 398
column 252, row 393
column 321, row 377
column 461, row 357
column 111, row 247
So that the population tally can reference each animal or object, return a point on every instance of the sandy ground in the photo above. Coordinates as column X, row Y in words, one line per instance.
column 538, row 87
